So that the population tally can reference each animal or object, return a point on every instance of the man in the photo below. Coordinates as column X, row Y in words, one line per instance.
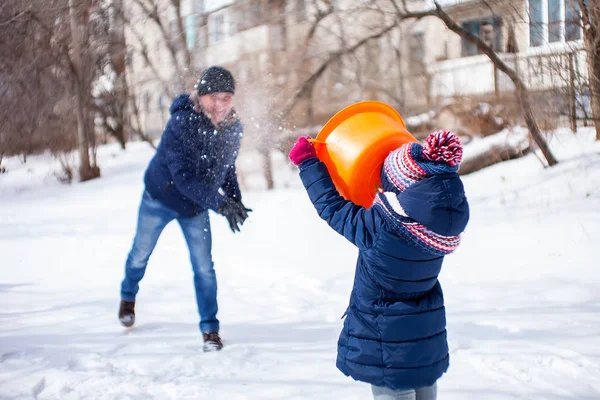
column 193, row 171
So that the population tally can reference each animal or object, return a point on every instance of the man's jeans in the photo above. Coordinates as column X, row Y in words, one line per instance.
column 425, row 393
column 152, row 219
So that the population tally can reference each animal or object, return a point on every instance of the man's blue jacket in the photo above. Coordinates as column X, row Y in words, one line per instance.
column 194, row 166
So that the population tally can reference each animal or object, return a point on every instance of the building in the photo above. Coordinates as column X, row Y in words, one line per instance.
column 541, row 39
column 413, row 66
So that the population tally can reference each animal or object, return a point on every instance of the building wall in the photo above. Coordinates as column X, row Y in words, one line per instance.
column 412, row 69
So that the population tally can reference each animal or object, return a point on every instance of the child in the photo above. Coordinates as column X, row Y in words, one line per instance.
column 394, row 335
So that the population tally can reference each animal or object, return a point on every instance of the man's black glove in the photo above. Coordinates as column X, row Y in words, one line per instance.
column 235, row 212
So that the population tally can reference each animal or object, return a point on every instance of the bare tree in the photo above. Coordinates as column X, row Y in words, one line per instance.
column 111, row 89
column 34, row 111
column 57, row 51
column 402, row 12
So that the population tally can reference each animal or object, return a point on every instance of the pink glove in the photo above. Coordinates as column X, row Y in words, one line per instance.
column 302, row 151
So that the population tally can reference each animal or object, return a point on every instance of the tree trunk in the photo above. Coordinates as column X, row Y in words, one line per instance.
column 531, row 123
column 187, row 55
column 82, row 141
column 86, row 171
column 268, row 168
column 119, row 55
column 591, row 37
column 496, row 154
column 595, row 90
column 136, row 115
column 400, row 81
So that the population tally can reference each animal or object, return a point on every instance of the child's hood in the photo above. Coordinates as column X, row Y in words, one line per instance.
column 439, row 203
column 181, row 102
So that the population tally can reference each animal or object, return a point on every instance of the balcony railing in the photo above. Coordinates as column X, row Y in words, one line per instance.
column 472, row 76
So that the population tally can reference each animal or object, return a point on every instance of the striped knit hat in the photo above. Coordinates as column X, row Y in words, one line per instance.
column 440, row 154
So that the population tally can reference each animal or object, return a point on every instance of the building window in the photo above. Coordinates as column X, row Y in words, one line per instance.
column 238, row 16
column 248, row 14
column 255, row 13
column 174, row 30
column 536, row 24
column 487, row 29
column 487, row 34
column 190, row 31
column 301, row 15
column 216, row 28
column 552, row 21
column 277, row 37
column 416, row 51
column 572, row 21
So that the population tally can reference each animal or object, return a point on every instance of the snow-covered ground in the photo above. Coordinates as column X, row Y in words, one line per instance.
column 522, row 292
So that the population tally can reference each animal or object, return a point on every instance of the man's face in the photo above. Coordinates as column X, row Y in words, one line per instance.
column 217, row 105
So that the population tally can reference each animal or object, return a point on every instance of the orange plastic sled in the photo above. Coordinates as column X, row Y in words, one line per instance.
column 355, row 142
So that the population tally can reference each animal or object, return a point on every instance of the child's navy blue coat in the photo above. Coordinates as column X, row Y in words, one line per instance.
column 394, row 334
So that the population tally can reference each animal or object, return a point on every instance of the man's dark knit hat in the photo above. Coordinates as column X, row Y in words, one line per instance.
column 215, row 79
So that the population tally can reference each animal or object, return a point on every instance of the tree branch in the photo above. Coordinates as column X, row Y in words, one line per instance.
column 182, row 39
column 308, row 84
column 321, row 15
column 13, row 18
column 152, row 13
column 145, row 54
column 63, row 50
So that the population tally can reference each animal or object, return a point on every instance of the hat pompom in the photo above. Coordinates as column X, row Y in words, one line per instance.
column 443, row 146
